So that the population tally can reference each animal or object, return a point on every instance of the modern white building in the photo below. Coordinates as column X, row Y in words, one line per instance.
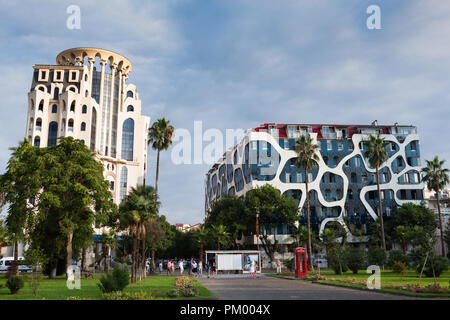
column 86, row 96
column 342, row 187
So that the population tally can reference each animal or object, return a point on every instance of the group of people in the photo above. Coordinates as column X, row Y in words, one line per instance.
column 195, row 268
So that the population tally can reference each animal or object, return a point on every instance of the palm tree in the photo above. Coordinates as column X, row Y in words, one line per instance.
column 140, row 205
column 221, row 234
column 376, row 154
column 109, row 241
column 437, row 178
column 201, row 235
column 307, row 159
column 160, row 135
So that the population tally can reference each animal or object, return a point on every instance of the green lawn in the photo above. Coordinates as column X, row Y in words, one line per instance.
column 387, row 278
column 56, row 289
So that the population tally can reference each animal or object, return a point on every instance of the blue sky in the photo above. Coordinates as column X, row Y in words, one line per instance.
column 237, row 64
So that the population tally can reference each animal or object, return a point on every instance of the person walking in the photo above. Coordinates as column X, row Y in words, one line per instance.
column 200, row 268
column 213, row 269
column 173, row 267
column 190, row 266
column 194, row 268
column 207, row 268
column 180, row 264
column 160, row 267
column 253, row 269
column 168, row 267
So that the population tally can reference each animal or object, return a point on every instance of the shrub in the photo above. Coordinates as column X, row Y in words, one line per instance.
column 117, row 295
column 14, row 284
column 185, row 287
column 115, row 281
column 356, row 259
column 400, row 267
column 438, row 263
column 337, row 260
column 290, row 264
column 395, row 256
column 376, row 256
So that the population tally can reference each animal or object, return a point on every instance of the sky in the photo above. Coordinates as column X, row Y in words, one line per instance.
column 237, row 64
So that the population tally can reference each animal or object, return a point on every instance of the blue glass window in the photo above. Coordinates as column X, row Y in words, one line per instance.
column 130, row 94
column 52, row 133
column 56, row 94
column 84, row 110
column 54, row 108
column 123, row 182
column 83, row 126
column 130, row 109
column 37, row 141
column 127, row 139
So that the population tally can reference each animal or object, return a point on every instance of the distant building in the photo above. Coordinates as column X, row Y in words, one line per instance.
column 444, row 203
column 187, row 227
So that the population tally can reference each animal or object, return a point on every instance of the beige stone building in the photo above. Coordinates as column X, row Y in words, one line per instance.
column 86, row 96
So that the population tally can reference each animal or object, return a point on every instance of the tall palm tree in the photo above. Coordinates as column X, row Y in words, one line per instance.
column 221, row 234
column 201, row 235
column 139, row 206
column 376, row 154
column 307, row 159
column 160, row 135
column 437, row 177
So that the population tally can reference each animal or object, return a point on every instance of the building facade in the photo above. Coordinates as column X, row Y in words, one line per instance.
column 444, row 204
column 342, row 187
column 86, row 96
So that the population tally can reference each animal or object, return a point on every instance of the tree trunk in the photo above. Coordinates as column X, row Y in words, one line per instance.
column 133, row 260
column 143, row 261
column 157, row 173
column 310, row 262
column 153, row 261
column 380, row 208
column 201, row 252
column 83, row 260
column 69, row 271
column 15, row 267
column 404, row 246
column 106, row 258
column 444, row 251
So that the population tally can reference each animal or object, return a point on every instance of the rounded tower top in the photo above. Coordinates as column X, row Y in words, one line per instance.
column 75, row 56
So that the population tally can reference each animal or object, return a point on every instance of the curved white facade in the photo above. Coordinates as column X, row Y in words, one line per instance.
column 86, row 96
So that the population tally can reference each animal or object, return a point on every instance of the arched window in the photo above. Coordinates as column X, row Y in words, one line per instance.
column 41, row 105
column 70, row 125
column 52, row 133
column 37, row 141
column 56, row 94
column 130, row 109
column 83, row 126
column 42, row 89
column 82, row 141
column 30, row 127
column 38, row 124
column 129, row 94
column 128, row 139
column 72, row 106
column 84, row 109
column 54, row 108
column 123, row 183
column 93, row 129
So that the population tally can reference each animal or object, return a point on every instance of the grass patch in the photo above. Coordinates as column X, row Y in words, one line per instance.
column 56, row 289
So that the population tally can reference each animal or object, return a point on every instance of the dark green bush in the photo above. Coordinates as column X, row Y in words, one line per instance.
column 396, row 255
column 337, row 260
column 115, row 281
column 438, row 263
column 376, row 256
column 356, row 259
column 14, row 284
column 290, row 264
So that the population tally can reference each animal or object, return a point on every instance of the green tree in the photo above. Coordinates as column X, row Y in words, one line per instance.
column 221, row 235
column 35, row 257
column 138, row 207
column 274, row 210
column 156, row 238
column 307, row 159
column 437, row 177
column 18, row 185
column 160, row 135
column 201, row 236
column 376, row 154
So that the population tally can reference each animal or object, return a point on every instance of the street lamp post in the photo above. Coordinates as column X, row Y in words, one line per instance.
column 257, row 229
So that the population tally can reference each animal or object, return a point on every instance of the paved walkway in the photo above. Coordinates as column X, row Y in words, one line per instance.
column 267, row 288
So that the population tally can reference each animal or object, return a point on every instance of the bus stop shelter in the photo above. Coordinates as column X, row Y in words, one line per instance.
column 235, row 260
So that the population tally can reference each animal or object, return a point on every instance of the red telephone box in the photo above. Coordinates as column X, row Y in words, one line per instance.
column 301, row 269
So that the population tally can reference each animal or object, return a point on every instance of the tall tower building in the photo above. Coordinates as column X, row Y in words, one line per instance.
column 85, row 96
